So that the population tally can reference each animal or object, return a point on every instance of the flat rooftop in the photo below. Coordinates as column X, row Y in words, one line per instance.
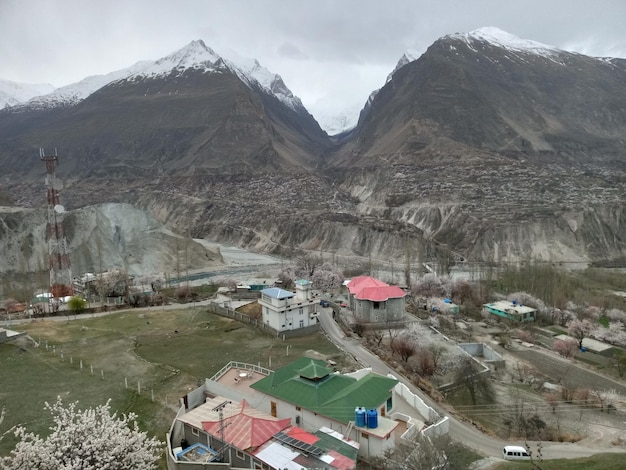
column 509, row 307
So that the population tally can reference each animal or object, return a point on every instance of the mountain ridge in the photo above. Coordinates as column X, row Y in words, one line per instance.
column 471, row 148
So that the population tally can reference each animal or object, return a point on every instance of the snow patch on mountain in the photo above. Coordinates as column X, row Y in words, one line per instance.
column 71, row 94
column 502, row 39
column 247, row 69
column 13, row 93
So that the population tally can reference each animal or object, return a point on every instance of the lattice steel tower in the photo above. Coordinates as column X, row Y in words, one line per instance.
column 60, row 269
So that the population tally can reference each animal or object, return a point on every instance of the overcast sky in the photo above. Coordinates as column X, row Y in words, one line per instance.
column 338, row 51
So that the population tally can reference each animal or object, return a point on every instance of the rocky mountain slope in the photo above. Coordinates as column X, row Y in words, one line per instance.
column 100, row 237
column 491, row 144
column 486, row 147
column 188, row 113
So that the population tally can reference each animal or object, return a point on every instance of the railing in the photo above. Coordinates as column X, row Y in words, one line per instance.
column 240, row 365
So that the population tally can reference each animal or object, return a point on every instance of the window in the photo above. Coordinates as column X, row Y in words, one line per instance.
column 298, row 408
column 365, row 436
column 301, row 311
column 376, row 305
column 273, row 408
column 240, row 455
column 195, row 431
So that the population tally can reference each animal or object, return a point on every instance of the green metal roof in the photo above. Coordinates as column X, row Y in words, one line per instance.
column 328, row 442
column 332, row 395
column 314, row 371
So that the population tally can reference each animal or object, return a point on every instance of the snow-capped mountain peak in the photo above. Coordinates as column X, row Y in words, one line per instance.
column 195, row 55
column 500, row 38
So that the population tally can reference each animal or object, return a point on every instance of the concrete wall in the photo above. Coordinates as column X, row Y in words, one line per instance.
column 428, row 413
column 485, row 351
column 390, row 310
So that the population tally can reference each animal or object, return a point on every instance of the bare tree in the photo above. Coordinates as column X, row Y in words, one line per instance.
column 477, row 384
column 426, row 363
column 306, row 266
column 404, row 347
column 619, row 358
column 421, row 453
column 552, row 399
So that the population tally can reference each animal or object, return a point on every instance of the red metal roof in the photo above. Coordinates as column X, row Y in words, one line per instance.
column 379, row 294
column 361, row 282
column 302, row 435
column 245, row 431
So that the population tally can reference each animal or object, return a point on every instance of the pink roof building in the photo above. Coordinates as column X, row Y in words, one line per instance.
column 380, row 294
column 362, row 282
column 374, row 301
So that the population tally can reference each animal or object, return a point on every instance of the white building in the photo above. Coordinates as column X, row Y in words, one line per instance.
column 284, row 310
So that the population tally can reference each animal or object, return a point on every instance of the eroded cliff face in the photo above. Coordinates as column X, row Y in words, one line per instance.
column 112, row 236
column 365, row 226
column 106, row 236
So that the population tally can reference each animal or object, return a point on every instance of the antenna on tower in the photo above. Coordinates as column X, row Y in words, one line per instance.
column 220, row 409
column 59, row 259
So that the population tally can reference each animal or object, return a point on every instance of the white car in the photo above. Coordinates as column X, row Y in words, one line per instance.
column 515, row 453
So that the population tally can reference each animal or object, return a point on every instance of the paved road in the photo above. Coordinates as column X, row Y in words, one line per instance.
column 459, row 431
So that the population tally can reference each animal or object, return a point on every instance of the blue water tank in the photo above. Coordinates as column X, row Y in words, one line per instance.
column 372, row 419
column 359, row 416
column 514, row 302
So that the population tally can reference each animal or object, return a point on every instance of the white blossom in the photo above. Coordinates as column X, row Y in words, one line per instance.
column 85, row 440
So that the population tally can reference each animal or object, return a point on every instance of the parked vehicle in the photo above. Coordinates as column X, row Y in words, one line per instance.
column 323, row 303
column 515, row 453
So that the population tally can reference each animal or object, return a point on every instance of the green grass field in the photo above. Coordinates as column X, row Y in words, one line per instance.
column 597, row 462
column 167, row 352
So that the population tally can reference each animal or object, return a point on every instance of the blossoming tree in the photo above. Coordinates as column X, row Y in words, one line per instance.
column 85, row 439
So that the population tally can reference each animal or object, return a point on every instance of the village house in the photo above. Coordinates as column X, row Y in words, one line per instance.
column 373, row 301
column 362, row 410
column 225, row 433
column 511, row 310
column 283, row 310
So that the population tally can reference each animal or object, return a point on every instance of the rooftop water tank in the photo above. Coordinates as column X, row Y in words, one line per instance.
column 372, row 419
column 359, row 416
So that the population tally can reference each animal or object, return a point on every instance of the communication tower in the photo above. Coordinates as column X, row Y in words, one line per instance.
column 60, row 270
